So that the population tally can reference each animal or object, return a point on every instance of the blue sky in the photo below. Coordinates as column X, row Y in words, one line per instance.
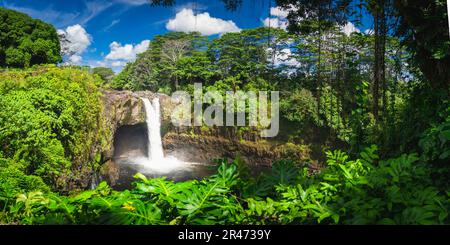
column 111, row 32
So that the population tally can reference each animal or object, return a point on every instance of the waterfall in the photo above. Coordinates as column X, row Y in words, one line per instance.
column 155, row 161
column 153, row 117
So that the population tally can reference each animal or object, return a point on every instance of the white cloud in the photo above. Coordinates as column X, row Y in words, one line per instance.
column 141, row 47
column 120, row 52
column 75, row 59
column 369, row 32
column 275, row 23
column 284, row 57
column 190, row 5
column 99, row 63
column 120, row 55
column 349, row 28
column 126, row 52
column 186, row 21
column 76, row 41
column 118, row 63
column 277, row 18
column 93, row 9
column 113, row 23
column 278, row 12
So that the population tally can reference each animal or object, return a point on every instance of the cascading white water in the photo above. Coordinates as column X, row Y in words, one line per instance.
column 155, row 149
column 156, row 162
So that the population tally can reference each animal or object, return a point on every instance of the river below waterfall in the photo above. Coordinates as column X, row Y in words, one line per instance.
column 129, row 167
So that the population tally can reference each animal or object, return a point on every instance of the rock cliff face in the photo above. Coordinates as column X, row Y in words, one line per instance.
column 124, row 111
column 205, row 149
column 125, row 108
column 120, row 108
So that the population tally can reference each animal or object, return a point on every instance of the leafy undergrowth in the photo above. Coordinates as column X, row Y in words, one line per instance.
column 362, row 191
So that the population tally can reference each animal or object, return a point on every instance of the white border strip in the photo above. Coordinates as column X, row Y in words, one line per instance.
column 448, row 15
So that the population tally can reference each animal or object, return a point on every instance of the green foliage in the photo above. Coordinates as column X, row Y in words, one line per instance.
column 435, row 146
column 25, row 42
column 301, row 106
column 424, row 28
column 362, row 191
column 435, row 141
column 13, row 182
column 360, row 119
column 171, row 60
column 177, row 60
column 17, row 58
column 106, row 74
column 136, row 76
column 49, row 120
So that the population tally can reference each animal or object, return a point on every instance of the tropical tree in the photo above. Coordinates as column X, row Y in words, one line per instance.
column 105, row 73
column 25, row 41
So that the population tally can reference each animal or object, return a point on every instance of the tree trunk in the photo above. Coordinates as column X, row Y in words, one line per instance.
column 376, row 81
column 319, row 67
column 379, row 64
column 383, row 33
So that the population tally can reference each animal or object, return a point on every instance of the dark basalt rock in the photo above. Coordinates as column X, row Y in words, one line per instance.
column 207, row 148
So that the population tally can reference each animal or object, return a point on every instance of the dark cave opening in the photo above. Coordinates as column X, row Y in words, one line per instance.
column 130, row 141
